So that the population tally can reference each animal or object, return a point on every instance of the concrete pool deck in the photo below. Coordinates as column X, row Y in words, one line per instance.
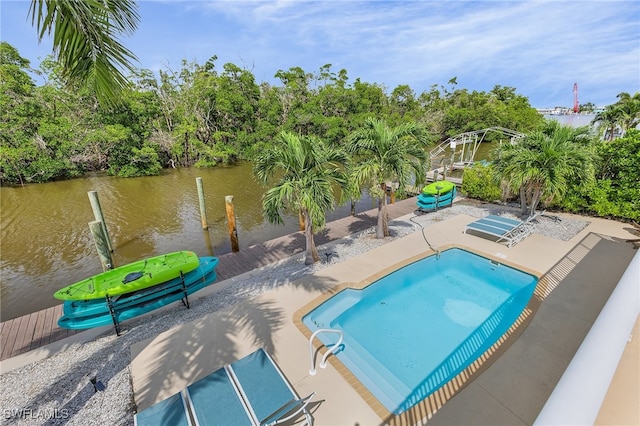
column 577, row 277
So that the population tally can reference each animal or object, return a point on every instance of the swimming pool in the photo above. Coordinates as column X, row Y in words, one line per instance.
column 410, row 332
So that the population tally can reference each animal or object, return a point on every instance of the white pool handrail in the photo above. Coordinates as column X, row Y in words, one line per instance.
column 334, row 348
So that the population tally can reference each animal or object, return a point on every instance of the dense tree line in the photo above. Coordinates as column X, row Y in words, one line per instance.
column 200, row 115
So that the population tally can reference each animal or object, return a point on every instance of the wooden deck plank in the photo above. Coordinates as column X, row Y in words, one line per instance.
column 48, row 326
column 21, row 330
column 26, row 338
column 57, row 332
column 250, row 259
column 3, row 324
column 22, row 334
column 4, row 341
column 41, row 335
column 10, row 337
column 4, row 338
column 38, row 331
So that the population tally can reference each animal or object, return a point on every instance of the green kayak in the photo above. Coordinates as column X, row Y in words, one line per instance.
column 131, row 277
column 439, row 187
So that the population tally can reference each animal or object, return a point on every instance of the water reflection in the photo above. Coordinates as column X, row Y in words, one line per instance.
column 45, row 243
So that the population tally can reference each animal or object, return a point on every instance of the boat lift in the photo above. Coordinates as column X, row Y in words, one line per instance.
column 470, row 142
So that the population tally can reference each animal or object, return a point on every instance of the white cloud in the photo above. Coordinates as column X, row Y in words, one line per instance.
column 540, row 48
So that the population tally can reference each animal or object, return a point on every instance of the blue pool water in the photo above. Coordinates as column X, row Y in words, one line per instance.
column 413, row 330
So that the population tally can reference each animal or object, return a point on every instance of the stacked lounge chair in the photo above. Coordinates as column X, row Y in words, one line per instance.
column 507, row 230
column 250, row 391
column 171, row 411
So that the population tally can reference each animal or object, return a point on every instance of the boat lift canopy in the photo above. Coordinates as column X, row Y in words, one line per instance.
column 471, row 139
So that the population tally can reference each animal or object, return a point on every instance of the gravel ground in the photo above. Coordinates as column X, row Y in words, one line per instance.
column 58, row 390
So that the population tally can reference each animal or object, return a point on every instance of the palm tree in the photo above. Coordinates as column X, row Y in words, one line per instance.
column 625, row 114
column 608, row 119
column 541, row 166
column 387, row 154
column 629, row 107
column 85, row 40
column 308, row 173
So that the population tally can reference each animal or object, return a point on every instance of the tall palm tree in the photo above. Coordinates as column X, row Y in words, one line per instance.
column 308, row 173
column 540, row 166
column 387, row 154
column 85, row 40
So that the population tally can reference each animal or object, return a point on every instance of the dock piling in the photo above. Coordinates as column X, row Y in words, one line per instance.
column 97, row 214
column 231, row 221
column 97, row 231
column 203, row 209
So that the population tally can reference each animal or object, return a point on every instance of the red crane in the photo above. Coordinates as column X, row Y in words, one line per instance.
column 576, row 107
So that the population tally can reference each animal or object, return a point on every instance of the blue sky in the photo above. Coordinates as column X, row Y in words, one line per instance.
column 540, row 48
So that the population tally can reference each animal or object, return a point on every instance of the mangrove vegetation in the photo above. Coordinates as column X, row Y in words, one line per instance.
column 204, row 115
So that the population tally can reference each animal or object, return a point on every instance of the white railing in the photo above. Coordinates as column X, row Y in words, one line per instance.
column 474, row 137
column 333, row 349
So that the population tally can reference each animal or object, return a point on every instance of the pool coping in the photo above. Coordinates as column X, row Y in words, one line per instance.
column 427, row 408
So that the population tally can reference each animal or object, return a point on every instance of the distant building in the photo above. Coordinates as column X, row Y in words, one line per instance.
column 567, row 111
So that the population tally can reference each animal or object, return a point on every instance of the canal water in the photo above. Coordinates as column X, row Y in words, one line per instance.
column 573, row 120
column 45, row 242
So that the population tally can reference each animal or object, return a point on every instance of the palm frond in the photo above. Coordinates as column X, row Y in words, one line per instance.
column 85, row 37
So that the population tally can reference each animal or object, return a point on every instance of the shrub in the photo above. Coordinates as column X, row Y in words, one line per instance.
column 478, row 182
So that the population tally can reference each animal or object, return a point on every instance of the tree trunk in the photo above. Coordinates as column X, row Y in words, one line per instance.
column 382, row 230
column 523, row 200
column 312, row 251
column 537, row 194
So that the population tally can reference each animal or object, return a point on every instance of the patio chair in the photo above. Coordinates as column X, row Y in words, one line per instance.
column 171, row 411
column 251, row 391
column 215, row 400
column 509, row 230
column 266, row 392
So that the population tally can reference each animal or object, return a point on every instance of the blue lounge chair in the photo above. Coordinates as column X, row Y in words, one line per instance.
column 171, row 411
column 251, row 391
column 509, row 230
column 267, row 393
column 215, row 400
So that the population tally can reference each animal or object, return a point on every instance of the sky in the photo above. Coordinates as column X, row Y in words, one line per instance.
column 539, row 48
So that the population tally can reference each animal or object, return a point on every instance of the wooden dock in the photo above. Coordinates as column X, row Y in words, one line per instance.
column 28, row 332
column 438, row 174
